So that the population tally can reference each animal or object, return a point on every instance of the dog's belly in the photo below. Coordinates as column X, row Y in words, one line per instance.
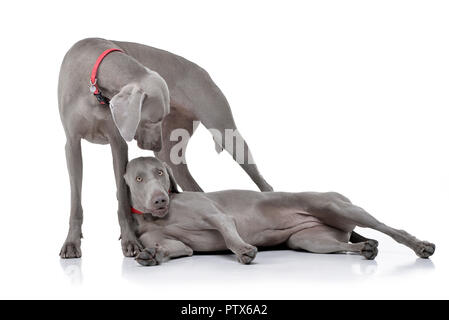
column 262, row 232
column 276, row 229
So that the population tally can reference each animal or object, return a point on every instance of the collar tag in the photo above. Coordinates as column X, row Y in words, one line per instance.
column 93, row 86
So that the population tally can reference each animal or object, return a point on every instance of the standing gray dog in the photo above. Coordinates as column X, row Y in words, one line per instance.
column 151, row 92
column 173, row 224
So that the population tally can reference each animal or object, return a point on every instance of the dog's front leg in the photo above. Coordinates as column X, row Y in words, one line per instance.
column 72, row 245
column 226, row 226
column 156, row 253
column 130, row 244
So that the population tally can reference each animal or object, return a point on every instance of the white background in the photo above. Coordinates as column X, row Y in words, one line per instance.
column 350, row 96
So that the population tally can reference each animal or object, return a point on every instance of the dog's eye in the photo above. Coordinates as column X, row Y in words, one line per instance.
column 138, row 179
column 160, row 172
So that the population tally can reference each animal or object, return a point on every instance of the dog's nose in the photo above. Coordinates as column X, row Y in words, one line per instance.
column 160, row 201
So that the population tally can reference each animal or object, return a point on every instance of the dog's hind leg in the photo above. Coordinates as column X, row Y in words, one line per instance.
column 325, row 239
column 228, row 137
column 331, row 209
column 355, row 237
column 212, row 109
column 177, row 161
column 72, row 245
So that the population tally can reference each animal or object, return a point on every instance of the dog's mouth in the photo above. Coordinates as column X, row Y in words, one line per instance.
column 152, row 146
column 159, row 212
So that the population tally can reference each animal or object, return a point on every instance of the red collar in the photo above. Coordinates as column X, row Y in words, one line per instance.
column 136, row 211
column 93, row 77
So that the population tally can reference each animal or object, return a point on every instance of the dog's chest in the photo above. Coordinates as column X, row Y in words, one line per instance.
column 97, row 137
column 97, row 124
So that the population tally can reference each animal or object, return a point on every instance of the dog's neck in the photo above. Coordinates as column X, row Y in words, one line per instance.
column 118, row 70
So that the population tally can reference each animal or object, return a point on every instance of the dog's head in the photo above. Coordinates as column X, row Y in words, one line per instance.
column 150, row 182
column 139, row 108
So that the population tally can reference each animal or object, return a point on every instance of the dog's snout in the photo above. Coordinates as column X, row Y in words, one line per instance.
column 160, row 201
column 153, row 146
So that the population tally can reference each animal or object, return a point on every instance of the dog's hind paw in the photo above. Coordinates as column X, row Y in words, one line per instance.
column 370, row 250
column 425, row 249
column 70, row 250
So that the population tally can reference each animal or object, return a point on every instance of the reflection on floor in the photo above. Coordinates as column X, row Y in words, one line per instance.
column 269, row 266
column 72, row 269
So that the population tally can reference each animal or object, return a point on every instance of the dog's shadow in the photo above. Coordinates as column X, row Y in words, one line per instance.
column 418, row 265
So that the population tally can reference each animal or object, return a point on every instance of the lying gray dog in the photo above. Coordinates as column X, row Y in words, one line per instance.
column 173, row 224
column 151, row 92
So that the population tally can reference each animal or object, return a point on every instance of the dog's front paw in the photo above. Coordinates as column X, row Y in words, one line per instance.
column 70, row 250
column 425, row 249
column 246, row 254
column 150, row 257
column 131, row 247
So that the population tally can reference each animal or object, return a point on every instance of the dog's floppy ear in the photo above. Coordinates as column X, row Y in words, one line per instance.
column 173, row 183
column 126, row 107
